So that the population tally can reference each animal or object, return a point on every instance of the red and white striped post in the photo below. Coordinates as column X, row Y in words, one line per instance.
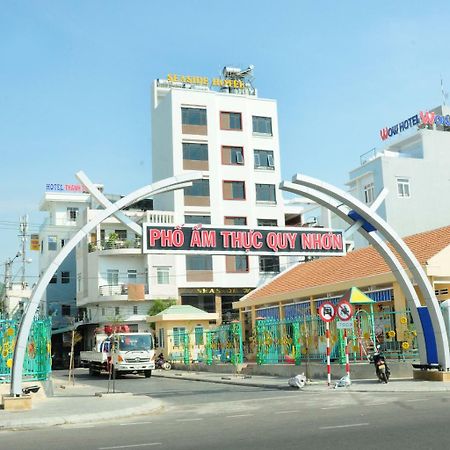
column 327, row 335
column 347, row 362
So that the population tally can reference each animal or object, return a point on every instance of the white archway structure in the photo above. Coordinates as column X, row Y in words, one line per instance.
column 431, row 318
column 168, row 184
column 381, row 246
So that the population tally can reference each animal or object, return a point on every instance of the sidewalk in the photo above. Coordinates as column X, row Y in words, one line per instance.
column 270, row 382
column 75, row 404
column 80, row 404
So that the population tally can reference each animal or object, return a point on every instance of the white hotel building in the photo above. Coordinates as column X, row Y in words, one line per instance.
column 231, row 135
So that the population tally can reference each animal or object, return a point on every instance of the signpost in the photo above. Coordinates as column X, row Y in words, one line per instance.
column 327, row 312
column 345, row 314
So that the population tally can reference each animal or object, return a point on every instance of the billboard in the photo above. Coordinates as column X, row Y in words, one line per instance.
column 242, row 240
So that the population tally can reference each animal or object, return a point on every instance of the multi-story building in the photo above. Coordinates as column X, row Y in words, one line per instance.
column 232, row 135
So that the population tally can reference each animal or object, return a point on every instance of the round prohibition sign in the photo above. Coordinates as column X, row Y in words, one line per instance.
column 344, row 310
column 327, row 311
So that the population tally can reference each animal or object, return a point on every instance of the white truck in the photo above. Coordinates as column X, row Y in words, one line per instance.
column 121, row 353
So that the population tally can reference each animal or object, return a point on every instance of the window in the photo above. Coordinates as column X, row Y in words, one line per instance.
column 235, row 221
column 132, row 275
column 135, row 310
column 63, row 242
column 267, row 223
column 161, row 338
column 269, row 264
column 264, row 159
column 403, row 188
column 162, row 275
column 262, row 125
column 234, row 190
column 238, row 263
column 52, row 243
column 230, row 121
column 198, row 332
column 121, row 235
column 199, row 262
column 232, row 155
column 54, row 279
column 103, row 312
column 199, row 188
column 117, row 311
column 112, row 277
column 178, row 336
column 205, row 220
column 72, row 214
column 265, row 193
column 194, row 121
column 65, row 277
column 369, row 193
column 65, row 310
column 195, row 152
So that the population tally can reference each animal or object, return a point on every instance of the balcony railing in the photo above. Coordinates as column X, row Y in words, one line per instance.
column 119, row 289
column 114, row 245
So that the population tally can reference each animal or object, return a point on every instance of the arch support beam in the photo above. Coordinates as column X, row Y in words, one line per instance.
column 431, row 315
column 166, row 185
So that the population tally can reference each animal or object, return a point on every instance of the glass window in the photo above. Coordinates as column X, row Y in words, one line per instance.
column 54, row 279
column 205, row 220
column 403, row 187
column 178, row 336
column 121, row 235
column 199, row 188
column 72, row 214
column 135, row 310
column 235, row 221
column 198, row 335
column 369, row 191
column 269, row 264
column 65, row 277
column 65, row 310
column 238, row 263
column 232, row 155
column 265, row 193
column 52, row 243
column 267, row 223
column 264, row 159
column 132, row 275
column 161, row 338
column 112, row 277
column 193, row 116
column 117, row 311
column 195, row 152
column 230, row 121
column 162, row 275
column 199, row 262
column 234, row 190
column 262, row 125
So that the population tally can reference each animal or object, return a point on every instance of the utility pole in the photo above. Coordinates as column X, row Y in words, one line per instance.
column 23, row 227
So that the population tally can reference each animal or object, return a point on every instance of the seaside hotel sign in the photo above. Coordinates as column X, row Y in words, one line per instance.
column 424, row 118
column 232, row 241
column 205, row 81
column 57, row 187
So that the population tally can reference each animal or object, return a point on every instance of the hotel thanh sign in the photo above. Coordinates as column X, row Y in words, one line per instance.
column 230, row 240
column 205, row 81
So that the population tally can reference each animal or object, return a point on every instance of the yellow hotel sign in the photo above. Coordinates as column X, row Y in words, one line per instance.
column 204, row 81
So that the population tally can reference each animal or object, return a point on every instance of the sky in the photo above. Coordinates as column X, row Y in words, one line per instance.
column 76, row 76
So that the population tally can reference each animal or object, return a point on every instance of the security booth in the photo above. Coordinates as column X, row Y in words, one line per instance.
column 180, row 332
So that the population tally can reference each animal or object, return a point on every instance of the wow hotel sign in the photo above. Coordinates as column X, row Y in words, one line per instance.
column 231, row 240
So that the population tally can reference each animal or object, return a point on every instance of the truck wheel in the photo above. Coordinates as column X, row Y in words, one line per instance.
column 92, row 372
column 147, row 373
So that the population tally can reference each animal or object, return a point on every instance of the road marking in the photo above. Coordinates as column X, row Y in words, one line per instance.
column 345, row 426
column 134, row 423
column 75, row 426
column 332, row 407
column 287, row 412
column 130, row 446
column 376, row 404
column 416, row 400
column 188, row 420
column 239, row 415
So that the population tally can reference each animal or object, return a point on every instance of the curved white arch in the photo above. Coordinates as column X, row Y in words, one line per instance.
column 159, row 187
column 389, row 234
column 381, row 246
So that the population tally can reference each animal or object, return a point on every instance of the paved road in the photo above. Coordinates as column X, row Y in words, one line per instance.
column 205, row 416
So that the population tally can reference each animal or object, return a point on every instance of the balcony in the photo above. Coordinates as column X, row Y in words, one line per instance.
column 109, row 290
column 115, row 245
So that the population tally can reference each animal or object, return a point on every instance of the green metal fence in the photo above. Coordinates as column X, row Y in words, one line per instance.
column 37, row 364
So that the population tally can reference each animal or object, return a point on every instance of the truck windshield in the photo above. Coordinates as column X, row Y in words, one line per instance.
column 135, row 342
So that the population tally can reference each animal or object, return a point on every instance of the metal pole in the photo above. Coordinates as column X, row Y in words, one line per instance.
column 327, row 335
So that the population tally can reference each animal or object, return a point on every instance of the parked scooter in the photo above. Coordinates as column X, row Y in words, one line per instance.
column 381, row 367
column 161, row 363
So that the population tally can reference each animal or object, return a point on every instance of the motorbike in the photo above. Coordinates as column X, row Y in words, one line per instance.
column 381, row 367
column 161, row 363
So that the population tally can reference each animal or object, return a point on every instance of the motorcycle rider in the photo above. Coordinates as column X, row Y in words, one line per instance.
column 379, row 358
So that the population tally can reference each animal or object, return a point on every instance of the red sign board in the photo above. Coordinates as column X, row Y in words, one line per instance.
column 327, row 311
column 344, row 310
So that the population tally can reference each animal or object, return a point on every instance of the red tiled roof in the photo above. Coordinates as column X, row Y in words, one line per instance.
column 358, row 264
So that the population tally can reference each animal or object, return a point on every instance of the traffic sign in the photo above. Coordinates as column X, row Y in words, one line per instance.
column 344, row 324
column 327, row 311
column 344, row 310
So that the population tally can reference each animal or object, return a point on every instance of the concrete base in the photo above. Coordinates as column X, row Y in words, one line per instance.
column 431, row 375
column 21, row 403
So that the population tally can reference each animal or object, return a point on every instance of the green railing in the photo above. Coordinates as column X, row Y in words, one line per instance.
column 37, row 364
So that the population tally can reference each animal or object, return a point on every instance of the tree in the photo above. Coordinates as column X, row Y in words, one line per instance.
column 159, row 305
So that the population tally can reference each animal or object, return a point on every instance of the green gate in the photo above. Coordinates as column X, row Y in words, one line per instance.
column 37, row 364
column 224, row 344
